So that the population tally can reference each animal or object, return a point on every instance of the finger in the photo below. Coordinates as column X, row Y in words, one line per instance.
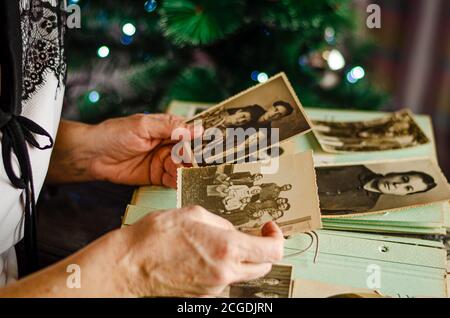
column 255, row 249
column 194, row 129
column 161, row 126
column 169, row 181
column 157, row 165
column 249, row 271
column 271, row 229
column 171, row 167
column 163, row 116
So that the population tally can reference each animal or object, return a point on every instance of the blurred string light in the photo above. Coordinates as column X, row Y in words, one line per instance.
column 254, row 75
column 103, row 51
column 303, row 60
column 355, row 74
column 94, row 97
column 263, row 77
column 358, row 72
column 129, row 29
column 330, row 35
column 259, row 76
column 335, row 60
column 126, row 39
column 150, row 5
column 266, row 31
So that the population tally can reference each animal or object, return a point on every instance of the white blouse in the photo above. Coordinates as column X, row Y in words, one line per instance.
column 44, row 71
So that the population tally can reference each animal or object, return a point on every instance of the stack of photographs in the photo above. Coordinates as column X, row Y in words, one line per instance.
column 354, row 174
column 400, row 191
column 229, row 179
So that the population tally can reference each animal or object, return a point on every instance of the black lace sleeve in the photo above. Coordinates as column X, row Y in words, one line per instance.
column 43, row 28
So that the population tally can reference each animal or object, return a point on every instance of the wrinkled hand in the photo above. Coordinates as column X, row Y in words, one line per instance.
column 192, row 252
column 135, row 150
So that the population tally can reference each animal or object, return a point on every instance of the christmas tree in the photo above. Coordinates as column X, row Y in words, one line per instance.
column 138, row 56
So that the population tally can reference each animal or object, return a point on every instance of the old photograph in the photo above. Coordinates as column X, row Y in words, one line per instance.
column 248, row 198
column 276, row 284
column 379, row 187
column 398, row 130
column 258, row 110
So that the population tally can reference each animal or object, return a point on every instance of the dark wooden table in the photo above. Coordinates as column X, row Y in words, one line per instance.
column 72, row 216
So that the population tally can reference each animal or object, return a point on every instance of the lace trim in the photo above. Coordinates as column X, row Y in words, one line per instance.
column 42, row 23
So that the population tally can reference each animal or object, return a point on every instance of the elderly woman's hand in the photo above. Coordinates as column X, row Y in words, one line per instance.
column 135, row 150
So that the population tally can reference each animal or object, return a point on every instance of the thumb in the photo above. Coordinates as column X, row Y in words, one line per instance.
column 160, row 126
column 271, row 229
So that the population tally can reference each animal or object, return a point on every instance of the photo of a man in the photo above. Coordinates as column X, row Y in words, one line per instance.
column 357, row 189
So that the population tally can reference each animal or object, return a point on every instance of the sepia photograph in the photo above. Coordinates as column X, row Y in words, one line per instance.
column 248, row 198
column 267, row 106
column 276, row 284
column 379, row 187
column 398, row 130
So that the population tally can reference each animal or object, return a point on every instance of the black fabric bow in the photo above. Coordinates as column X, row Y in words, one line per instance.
column 18, row 130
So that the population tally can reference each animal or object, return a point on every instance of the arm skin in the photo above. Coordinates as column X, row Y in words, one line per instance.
column 98, row 277
column 71, row 157
column 133, row 150
column 161, row 256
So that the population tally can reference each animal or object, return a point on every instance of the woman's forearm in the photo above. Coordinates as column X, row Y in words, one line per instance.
column 99, row 264
column 71, row 157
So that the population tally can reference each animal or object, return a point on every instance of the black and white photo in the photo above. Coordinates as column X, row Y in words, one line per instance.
column 374, row 188
column 398, row 130
column 276, row 284
column 257, row 112
column 248, row 198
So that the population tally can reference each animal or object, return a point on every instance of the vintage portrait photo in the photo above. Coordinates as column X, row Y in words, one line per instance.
column 276, row 284
column 398, row 130
column 248, row 198
column 379, row 187
column 258, row 110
